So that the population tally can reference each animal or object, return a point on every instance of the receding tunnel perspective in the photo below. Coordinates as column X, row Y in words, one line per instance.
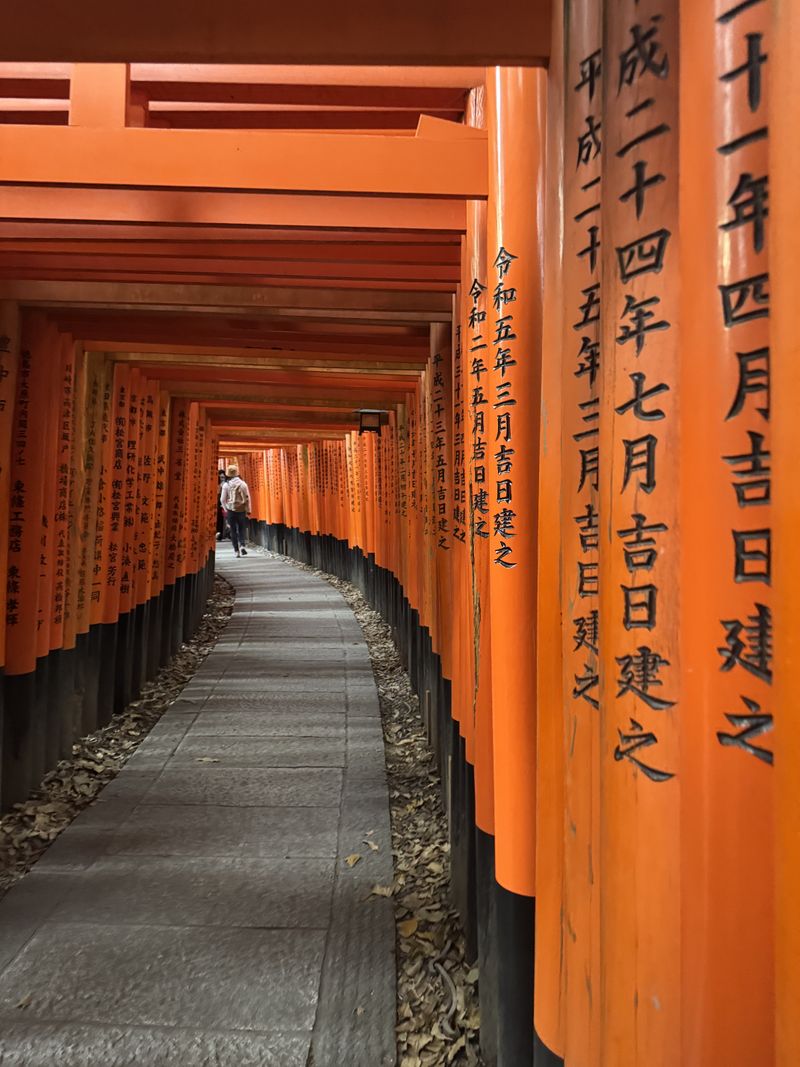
column 398, row 535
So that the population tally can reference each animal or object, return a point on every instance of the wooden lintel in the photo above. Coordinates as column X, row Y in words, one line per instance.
column 416, row 32
column 210, row 299
column 273, row 161
column 232, row 210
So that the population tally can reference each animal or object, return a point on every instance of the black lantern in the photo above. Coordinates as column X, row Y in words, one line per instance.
column 370, row 420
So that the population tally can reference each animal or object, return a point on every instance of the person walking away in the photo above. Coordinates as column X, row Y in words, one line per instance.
column 235, row 499
column 222, row 518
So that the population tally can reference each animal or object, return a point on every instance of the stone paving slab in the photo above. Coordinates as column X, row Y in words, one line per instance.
column 172, row 830
column 26, row 1044
column 213, row 977
column 285, row 787
column 228, row 723
column 264, row 752
column 200, row 911
column 189, row 891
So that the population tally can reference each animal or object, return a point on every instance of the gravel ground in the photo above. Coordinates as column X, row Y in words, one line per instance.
column 437, row 1004
column 27, row 830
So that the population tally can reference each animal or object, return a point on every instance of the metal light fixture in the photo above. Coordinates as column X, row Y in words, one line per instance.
column 370, row 420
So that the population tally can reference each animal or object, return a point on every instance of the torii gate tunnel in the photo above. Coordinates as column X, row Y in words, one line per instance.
column 571, row 285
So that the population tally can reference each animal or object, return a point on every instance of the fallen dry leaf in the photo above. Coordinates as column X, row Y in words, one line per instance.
column 407, row 927
column 352, row 859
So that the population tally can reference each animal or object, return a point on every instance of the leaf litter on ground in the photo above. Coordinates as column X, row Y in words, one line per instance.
column 29, row 827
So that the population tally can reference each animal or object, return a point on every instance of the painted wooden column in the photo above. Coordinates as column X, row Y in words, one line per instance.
column 10, row 329
column 784, row 157
column 550, row 944
column 440, row 459
column 160, row 517
column 176, row 492
column 639, row 685
column 102, row 642
column 727, row 739
column 22, row 740
column 515, row 114
column 63, row 703
column 580, row 488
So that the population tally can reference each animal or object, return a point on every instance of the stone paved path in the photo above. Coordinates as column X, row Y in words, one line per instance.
column 200, row 911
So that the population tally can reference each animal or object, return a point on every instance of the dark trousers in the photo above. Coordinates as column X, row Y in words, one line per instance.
column 237, row 520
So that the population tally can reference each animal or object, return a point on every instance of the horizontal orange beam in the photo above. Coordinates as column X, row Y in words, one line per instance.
column 39, row 264
column 76, row 232
column 294, row 378
column 232, row 209
column 231, row 394
column 396, row 97
column 398, row 251
column 331, row 121
column 266, row 161
column 332, row 363
column 271, row 74
column 279, row 301
column 261, row 280
column 239, row 31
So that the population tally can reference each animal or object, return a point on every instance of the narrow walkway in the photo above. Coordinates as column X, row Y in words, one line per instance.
column 201, row 910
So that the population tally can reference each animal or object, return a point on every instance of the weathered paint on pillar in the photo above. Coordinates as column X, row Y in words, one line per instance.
column 640, row 705
column 784, row 168
column 727, row 738
column 26, row 500
column 551, row 942
column 10, row 330
column 515, row 113
column 581, row 464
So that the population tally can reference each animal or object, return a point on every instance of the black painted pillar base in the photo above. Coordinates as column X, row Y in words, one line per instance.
column 515, row 918
column 91, row 694
column 487, row 944
column 19, row 701
column 106, row 685
column 64, row 697
column 141, row 629
column 39, row 722
column 470, row 913
column 542, row 1056
column 54, row 711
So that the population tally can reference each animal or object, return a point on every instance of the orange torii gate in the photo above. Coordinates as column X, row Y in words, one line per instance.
column 579, row 516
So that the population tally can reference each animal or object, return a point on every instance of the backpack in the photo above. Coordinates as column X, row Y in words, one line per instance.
column 237, row 496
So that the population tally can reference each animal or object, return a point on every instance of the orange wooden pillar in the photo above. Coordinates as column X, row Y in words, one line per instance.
column 784, row 156
column 64, row 709
column 10, row 337
column 84, row 487
column 158, row 580
column 727, row 703
column 476, row 339
column 515, row 113
column 102, row 636
column 550, row 940
column 173, row 530
column 23, row 736
column 128, row 542
column 581, row 465
column 47, row 630
column 639, row 685
column 146, row 476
